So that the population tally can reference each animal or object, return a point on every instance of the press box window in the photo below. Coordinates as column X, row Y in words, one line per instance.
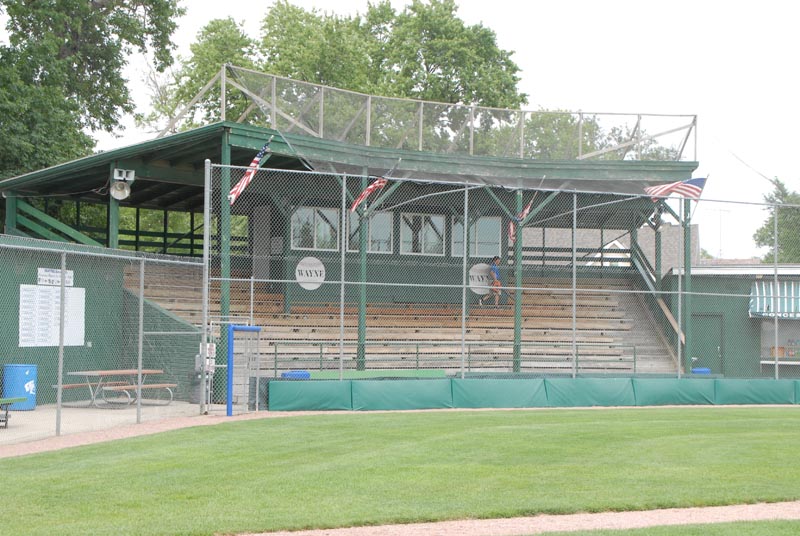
column 379, row 232
column 484, row 237
column 315, row 228
column 421, row 234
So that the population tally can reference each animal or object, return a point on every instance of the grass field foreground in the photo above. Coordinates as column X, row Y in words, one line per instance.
column 375, row 468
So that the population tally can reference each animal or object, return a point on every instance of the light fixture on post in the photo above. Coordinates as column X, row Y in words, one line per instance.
column 121, row 184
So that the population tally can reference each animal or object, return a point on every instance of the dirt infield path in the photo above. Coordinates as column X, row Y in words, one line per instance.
column 483, row 527
column 520, row 526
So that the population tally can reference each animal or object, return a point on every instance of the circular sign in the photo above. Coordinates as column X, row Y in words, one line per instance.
column 310, row 273
column 480, row 278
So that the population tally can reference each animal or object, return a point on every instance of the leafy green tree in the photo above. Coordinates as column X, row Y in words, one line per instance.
column 788, row 209
column 82, row 47
column 61, row 72
column 221, row 41
column 432, row 55
column 307, row 46
column 39, row 125
column 423, row 52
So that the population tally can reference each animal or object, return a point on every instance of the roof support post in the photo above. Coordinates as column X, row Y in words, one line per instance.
column 11, row 212
column 224, row 231
column 657, row 274
column 113, row 214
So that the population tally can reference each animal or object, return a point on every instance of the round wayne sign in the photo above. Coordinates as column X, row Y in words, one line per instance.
column 310, row 273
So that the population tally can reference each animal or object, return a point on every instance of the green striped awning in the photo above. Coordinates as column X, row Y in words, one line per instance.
column 767, row 302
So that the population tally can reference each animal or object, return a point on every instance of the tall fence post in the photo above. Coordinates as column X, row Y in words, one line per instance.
column 776, row 288
column 344, row 234
column 464, row 279
column 205, row 335
column 140, row 347
column 61, row 326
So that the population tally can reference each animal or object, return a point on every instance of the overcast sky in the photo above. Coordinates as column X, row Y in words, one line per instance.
column 733, row 64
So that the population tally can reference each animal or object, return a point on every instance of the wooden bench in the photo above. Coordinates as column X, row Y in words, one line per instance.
column 4, row 404
column 66, row 386
column 128, row 389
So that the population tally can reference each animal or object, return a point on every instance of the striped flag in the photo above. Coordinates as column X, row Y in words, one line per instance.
column 237, row 190
column 376, row 185
column 691, row 188
column 512, row 225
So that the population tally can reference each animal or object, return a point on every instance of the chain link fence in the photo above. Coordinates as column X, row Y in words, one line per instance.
column 95, row 338
column 326, row 276
column 399, row 286
column 292, row 106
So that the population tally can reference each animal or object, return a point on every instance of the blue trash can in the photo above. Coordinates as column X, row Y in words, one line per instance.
column 20, row 381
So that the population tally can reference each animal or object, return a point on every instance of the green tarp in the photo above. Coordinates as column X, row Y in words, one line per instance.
column 672, row 391
column 583, row 392
column 499, row 393
column 755, row 391
column 309, row 395
column 401, row 394
column 293, row 395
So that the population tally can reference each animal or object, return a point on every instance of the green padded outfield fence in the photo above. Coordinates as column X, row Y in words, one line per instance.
column 366, row 395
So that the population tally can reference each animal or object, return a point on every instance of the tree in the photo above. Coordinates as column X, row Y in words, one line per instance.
column 432, row 55
column 787, row 204
column 221, row 41
column 424, row 52
column 39, row 125
column 62, row 72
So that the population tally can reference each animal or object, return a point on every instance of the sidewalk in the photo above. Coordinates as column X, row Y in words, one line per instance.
column 40, row 423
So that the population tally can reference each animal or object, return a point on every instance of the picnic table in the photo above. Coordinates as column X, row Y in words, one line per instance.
column 4, row 404
column 117, row 385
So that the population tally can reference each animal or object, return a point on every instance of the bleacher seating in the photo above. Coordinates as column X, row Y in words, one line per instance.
column 607, row 320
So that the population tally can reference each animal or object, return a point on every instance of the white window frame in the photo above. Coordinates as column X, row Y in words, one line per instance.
column 316, row 216
column 354, row 249
column 473, row 237
column 404, row 215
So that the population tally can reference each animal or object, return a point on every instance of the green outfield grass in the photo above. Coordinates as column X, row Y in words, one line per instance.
column 375, row 468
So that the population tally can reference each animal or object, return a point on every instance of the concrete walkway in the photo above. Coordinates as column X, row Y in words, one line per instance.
column 40, row 423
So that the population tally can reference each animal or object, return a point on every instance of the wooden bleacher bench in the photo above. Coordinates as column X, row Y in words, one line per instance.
column 4, row 404
column 130, row 391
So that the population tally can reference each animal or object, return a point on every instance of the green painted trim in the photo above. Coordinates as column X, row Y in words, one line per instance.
column 500, row 203
column 40, row 230
column 53, row 223
column 658, row 260
column 385, row 195
column 670, row 210
column 11, row 213
column 181, row 139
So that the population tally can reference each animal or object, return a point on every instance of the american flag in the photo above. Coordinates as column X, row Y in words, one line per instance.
column 376, row 185
column 237, row 190
column 691, row 188
column 512, row 225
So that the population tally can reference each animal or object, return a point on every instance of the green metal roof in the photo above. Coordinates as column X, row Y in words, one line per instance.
column 169, row 170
